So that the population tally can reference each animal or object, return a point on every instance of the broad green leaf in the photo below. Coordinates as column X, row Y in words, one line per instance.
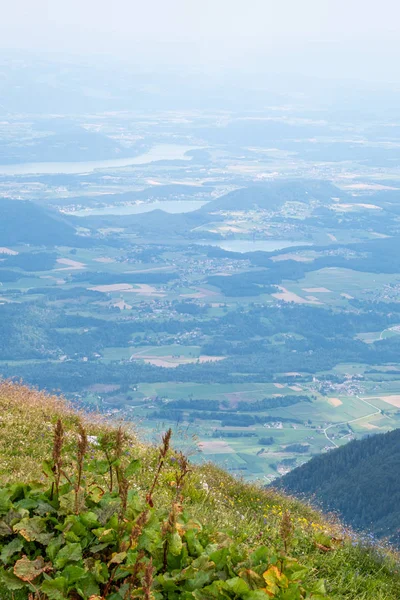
column 194, row 546
column 69, row 553
column 73, row 523
column 44, row 508
column 10, row 549
column 47, row 469
column 55, row 589
column 175, row 544
column 133, row 467
column 112, row 522
column 5, row 529
column 98, row 547
column 167, row 582
column 238, row 586
column 260, row 556
column 220, row 557
column 28, row 570
column 5, row 500
column 54, row 547
column 27, row 503
column 101, row 467
column 33, row 530
column 149, row 540
column 217, row 591
column 292, row 593
column 11, row 581
column 100, row 571
column 294, row 571
column 257, row 595
column 89, row 519
column 73, row 573
column 70, row 536
column 87, row 587
column 105, row 535
column 200, row 579
column 318, row 588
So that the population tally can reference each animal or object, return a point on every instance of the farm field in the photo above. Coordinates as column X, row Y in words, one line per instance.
column 256, row 321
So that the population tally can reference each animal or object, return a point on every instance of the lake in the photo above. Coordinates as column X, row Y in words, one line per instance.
column 169, row 206
column 253, row 246
column 159, row 152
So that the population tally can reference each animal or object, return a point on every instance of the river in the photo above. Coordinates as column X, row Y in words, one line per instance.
column 159, row 152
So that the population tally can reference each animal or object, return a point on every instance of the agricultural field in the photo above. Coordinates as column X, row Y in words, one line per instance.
column 247, row 296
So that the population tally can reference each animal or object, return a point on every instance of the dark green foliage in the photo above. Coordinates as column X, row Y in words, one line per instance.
column 225, row 418
column 23, row 222
column 88, row 538
column 374, row 256
column 258, row 406
column 31, row 261
column 360, row 481
column 300, row 448
column 189, row 308
column 253, row 283
column 266, row 441
column 270, row 403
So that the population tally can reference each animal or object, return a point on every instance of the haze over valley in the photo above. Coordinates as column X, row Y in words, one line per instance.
column 229, row 271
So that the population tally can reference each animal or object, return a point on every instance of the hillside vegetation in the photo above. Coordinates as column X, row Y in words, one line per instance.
column 359, row 481
column 23, row 222
column 160, row 528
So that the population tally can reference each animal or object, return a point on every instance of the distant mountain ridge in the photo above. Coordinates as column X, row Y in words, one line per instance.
column 360, row 481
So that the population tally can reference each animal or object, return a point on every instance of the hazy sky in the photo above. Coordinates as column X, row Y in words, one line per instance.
column 352, row 38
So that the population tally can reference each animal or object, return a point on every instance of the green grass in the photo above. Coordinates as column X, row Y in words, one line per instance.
column 245, row 512
column 339, row 281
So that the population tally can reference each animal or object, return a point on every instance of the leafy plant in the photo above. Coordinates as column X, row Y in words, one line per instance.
column 91, row 534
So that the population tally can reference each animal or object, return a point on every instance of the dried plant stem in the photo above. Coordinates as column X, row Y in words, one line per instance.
column 148, row 580
column 286, row 530
column 58, row 442
column 82, row 449
column 161, row 458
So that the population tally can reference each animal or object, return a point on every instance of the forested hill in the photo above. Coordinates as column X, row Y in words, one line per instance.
column 273, row 194
column 24, row 222
column 360, row 481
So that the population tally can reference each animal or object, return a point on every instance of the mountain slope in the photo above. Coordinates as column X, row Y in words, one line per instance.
column 230, row 510
column 274, row 194
column 360, row 481
column 23, row 222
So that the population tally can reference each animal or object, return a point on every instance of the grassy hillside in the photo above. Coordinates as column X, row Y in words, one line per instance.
column 239, row 527
column 359, row 481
